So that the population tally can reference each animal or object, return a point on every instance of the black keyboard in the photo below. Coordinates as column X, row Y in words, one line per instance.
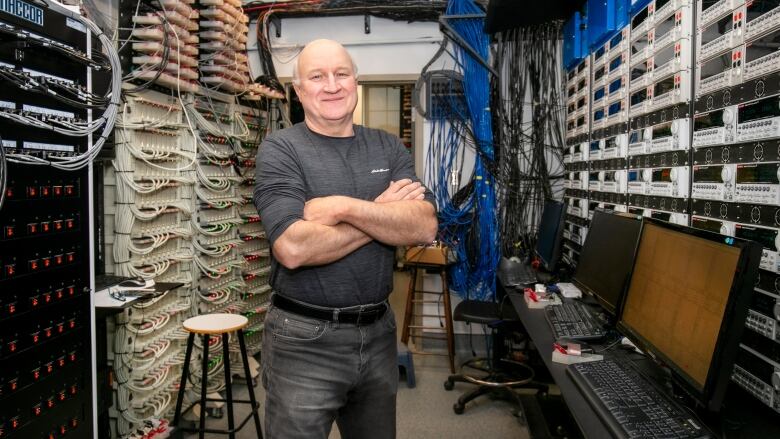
column 573, row 320
column 516, row 274
column 630, row 405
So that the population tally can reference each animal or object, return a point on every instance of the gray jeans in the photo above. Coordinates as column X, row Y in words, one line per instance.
column 316, row 371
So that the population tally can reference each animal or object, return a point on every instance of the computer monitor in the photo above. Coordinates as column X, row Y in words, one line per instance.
column 607, row 257
column 687, row 302
column 548, row 241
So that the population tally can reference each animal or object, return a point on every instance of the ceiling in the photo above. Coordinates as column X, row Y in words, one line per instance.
column 509, row 14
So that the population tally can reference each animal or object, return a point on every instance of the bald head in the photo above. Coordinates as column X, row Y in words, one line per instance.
column 318, row 50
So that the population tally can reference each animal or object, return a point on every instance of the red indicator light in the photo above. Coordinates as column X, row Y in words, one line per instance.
column 34, row 265
column 36, row 337
column 36, row 374
column 47, row 297
column 61, row 362
column 46, row 227
column 10, row 270
column 70, row 190
column 45, row 191
column 49, row 367
column 47, row 332
column 71, row 290
column 37, row 410
column 10, row 231
column 34, row 301
column 70, row 223
column 58, row 259
column 70, row 257
column 57, row 190
column 58, row 225
column 12, row 346
column 32, row 191
column 32, row 228
column 11, row 308
column 46, row 262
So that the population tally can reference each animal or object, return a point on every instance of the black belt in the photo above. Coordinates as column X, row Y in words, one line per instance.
column 367, row 315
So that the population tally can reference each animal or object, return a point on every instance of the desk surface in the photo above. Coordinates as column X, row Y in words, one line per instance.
column 539, row 331
column 750, row 418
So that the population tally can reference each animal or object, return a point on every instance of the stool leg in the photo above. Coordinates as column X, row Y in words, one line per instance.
column 445, row 290
column 409, row 305
column 183, row 383
column 228, row 385
column 248, row 376
column 203, row 379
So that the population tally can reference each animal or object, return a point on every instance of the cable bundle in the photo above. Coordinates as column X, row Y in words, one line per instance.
column 467, row 221
column 529, row 116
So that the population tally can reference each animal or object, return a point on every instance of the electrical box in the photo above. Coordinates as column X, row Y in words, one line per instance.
column 574, row 41
column 604, row 18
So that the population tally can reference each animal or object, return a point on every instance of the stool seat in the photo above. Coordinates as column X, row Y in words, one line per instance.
column 215, row 323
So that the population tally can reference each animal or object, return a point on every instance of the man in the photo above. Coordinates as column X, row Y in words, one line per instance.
column 335, row 199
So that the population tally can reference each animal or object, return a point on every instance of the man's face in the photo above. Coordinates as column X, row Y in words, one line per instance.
column 328, row 87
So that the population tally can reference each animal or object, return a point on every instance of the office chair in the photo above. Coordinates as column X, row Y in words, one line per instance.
column 501, row 374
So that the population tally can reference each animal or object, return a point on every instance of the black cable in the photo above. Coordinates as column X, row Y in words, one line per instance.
column 3, row 173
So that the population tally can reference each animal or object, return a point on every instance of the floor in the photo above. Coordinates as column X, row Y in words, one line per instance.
column 426, row 410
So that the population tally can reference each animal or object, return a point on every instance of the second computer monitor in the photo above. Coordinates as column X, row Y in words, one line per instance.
column 607, row 257
column 687, row 301
column 549, row 240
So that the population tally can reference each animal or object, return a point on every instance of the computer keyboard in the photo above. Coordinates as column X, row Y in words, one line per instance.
column 629, row 405
column 516, row 274
column 573, row 320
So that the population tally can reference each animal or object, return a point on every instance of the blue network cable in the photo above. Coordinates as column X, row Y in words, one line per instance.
column 469, row 226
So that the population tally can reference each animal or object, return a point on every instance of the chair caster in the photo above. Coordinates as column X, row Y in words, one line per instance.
column 458, row 408
column 449, row 385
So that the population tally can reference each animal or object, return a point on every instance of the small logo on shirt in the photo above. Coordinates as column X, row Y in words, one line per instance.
column 376, row 171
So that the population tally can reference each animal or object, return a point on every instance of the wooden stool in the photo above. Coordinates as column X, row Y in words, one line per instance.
column 207, row 325
column 409, row 314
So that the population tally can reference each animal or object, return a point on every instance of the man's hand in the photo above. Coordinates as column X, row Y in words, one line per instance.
column 402, row 190
column 324, row 210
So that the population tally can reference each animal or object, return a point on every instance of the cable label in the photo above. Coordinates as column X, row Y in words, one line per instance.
column 23, row 10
